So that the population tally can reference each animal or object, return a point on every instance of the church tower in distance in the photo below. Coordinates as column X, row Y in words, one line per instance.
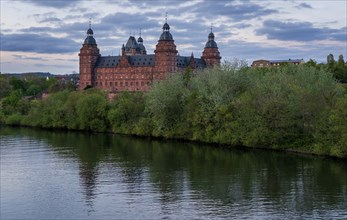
column 89, row 54
column 211, row 53
column 165, row 53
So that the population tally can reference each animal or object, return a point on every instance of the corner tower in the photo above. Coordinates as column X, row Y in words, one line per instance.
column 89, row 54
column 165, row 53
column 211, row 53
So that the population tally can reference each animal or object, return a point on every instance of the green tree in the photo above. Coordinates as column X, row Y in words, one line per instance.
column 18, row 84
column 331, row 131
column 165, row 104
column 125, row 112
column 33, row 90
column 92, row 110
column 330, row 59
column 341, row 70
column 9, row 104
column 5, row 86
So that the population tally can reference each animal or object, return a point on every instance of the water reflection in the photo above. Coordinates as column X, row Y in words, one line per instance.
column 191, row 181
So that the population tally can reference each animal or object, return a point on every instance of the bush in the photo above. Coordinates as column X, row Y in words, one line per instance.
column 14, row 119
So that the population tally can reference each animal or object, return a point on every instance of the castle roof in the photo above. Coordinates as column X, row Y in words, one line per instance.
column 286, row 61
column 132, row 44
column 134, row 60
column 144, row 60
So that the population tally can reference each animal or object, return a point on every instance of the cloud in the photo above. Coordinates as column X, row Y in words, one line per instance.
column 237, row 12
column 50, row 20
column 129, row 21
column 54, row 3
column 22, row 57
column 299, row 31
column 37, row 43
column 304, row 5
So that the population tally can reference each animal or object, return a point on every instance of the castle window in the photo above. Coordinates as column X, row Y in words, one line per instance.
column 121, row 83
column 111, row 83
column 126, row 83
column 116, row 83
column 137, row 83
column 131, row 83
column 96, row 83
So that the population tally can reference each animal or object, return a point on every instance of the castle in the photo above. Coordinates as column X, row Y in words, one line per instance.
column 134, row 69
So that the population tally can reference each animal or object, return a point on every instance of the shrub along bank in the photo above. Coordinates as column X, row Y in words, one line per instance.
column 298, row 108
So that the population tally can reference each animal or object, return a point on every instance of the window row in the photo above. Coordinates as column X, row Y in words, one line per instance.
column 121, row 83
column 121, row 77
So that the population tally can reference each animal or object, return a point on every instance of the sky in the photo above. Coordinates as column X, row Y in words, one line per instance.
column 46, row 35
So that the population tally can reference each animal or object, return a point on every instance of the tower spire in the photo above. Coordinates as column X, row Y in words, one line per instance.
column 165, row 17
column 140, row 32
column 90, row 22
column 211, row 27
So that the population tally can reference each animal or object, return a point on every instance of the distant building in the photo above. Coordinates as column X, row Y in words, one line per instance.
column 271, row 63
column 134, row 69
column 68, row 78
column 28, row 75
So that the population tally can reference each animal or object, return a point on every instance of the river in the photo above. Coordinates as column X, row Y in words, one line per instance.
column 73, row 175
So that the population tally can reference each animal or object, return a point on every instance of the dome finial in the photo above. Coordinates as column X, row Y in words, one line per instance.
column 140, row 40
column 165, row 17
column 211, row 27
column 90, row 22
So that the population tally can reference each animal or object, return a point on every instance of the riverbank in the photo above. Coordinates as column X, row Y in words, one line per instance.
column 290, row 108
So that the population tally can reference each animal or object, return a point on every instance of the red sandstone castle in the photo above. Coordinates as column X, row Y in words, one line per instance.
column 135, row 70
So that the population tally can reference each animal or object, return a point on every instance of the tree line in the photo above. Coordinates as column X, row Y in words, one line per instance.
column 300, row 108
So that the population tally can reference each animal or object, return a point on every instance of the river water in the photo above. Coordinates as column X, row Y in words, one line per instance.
column 72, row 175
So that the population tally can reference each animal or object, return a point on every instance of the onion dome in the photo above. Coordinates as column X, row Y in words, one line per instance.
column 90, row 32
column 211, row 36
column 90, row 39
column 211, row 43
column 140, row 47
column 166, row 35
column 166, row 26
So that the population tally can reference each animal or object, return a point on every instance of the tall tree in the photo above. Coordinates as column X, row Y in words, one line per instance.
column 341, row 60
column 330, row 59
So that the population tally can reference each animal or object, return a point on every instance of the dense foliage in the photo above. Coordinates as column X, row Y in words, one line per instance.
column 301, row 108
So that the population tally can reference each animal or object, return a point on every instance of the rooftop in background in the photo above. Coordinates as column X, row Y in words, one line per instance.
column 270, row 63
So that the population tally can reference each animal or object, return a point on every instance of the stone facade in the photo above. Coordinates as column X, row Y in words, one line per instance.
column 135, row 70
